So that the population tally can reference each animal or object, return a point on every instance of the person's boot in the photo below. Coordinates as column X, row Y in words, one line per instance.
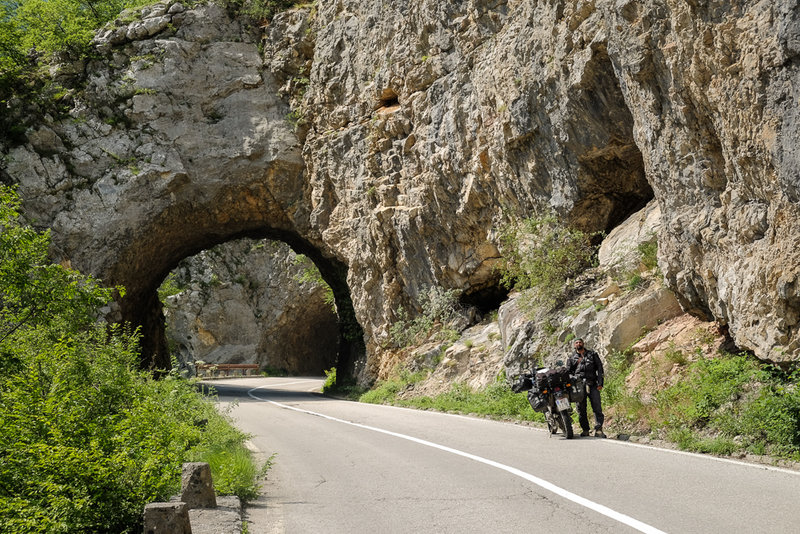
column 598, row 432
column 585, row 433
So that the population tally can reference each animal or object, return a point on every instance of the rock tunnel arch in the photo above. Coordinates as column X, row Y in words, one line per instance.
column 141, row 306
column 250, row 301
column 166, row 156
column 183, row 230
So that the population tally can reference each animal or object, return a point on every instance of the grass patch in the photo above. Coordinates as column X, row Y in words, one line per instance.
column 721, row 405
column 235, row 471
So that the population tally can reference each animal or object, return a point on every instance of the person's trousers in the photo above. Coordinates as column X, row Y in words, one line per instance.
column 594, row 397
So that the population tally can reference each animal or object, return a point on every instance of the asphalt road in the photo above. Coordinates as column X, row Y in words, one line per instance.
column 345, row 467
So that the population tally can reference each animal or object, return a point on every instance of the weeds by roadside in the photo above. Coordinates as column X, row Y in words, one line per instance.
column 723, row 405
column 496, row 401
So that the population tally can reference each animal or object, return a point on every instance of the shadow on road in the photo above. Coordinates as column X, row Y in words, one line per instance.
column 240, row 393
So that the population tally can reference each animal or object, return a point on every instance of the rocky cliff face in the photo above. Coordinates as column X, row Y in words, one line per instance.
column 390, row 140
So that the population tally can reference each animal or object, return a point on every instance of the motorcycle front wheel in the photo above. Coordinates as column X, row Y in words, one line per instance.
column 566, row 423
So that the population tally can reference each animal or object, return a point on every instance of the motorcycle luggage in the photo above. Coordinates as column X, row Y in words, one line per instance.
column 524, row 383
column 552, row 378
column 577, row 391
column 537, row 401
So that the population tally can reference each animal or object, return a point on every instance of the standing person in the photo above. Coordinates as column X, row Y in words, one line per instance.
column 585, row 363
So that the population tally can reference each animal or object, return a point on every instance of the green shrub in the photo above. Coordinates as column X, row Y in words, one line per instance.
column 169, row 287
column 675, row 355
column 86, row 439
column 543, row 256
column 732, row 396
column 648, row 253
column 772, row 420
column 347, row 389
column 709, row 384
column 439, row 307
column 330, row 380
column 634, row 281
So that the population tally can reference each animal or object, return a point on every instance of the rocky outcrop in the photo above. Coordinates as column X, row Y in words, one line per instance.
column 609, row 311
column 250, row 301
column 390, row 141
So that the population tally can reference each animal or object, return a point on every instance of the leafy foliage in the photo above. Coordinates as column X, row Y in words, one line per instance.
column 648, row 253
column 312, row 275
column 439, row 307
column 86, row 439
column 543, row 256
column 722, row 404
column 169, row 287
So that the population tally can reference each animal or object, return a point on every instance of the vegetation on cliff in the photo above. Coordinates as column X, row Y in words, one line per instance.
column 542, row 257
column 35, row 34
column 86, row 439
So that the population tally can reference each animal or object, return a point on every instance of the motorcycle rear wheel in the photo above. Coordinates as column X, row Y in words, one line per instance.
column 566, row 423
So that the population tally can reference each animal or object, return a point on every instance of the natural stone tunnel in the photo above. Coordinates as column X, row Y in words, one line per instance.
column 127, row 200
column 141, row 305
column 253, row 302
column 178, row 140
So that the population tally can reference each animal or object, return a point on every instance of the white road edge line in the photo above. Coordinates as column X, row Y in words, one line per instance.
column 614, row 442
column 599, row 508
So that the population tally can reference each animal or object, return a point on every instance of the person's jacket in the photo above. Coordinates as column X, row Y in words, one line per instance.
column 587, row 366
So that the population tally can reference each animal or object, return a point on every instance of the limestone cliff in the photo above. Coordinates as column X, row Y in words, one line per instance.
column 389, row 140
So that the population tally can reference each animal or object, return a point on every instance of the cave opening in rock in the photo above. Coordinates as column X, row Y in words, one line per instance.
column 485, row 299
column 611, row 179
column 388, row 99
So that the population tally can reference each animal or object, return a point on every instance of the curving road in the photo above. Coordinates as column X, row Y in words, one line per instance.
column 350, row 468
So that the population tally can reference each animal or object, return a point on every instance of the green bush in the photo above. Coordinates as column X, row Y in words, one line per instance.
column 440, row 307
column 736, row 399
column 86, row 439
column 772, row 421
column 709, row 384
column 648, row 253
column 169, row 287
column 543, row 256
column 330, row 380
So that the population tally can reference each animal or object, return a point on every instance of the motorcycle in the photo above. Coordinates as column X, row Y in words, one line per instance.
column 550, row 391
